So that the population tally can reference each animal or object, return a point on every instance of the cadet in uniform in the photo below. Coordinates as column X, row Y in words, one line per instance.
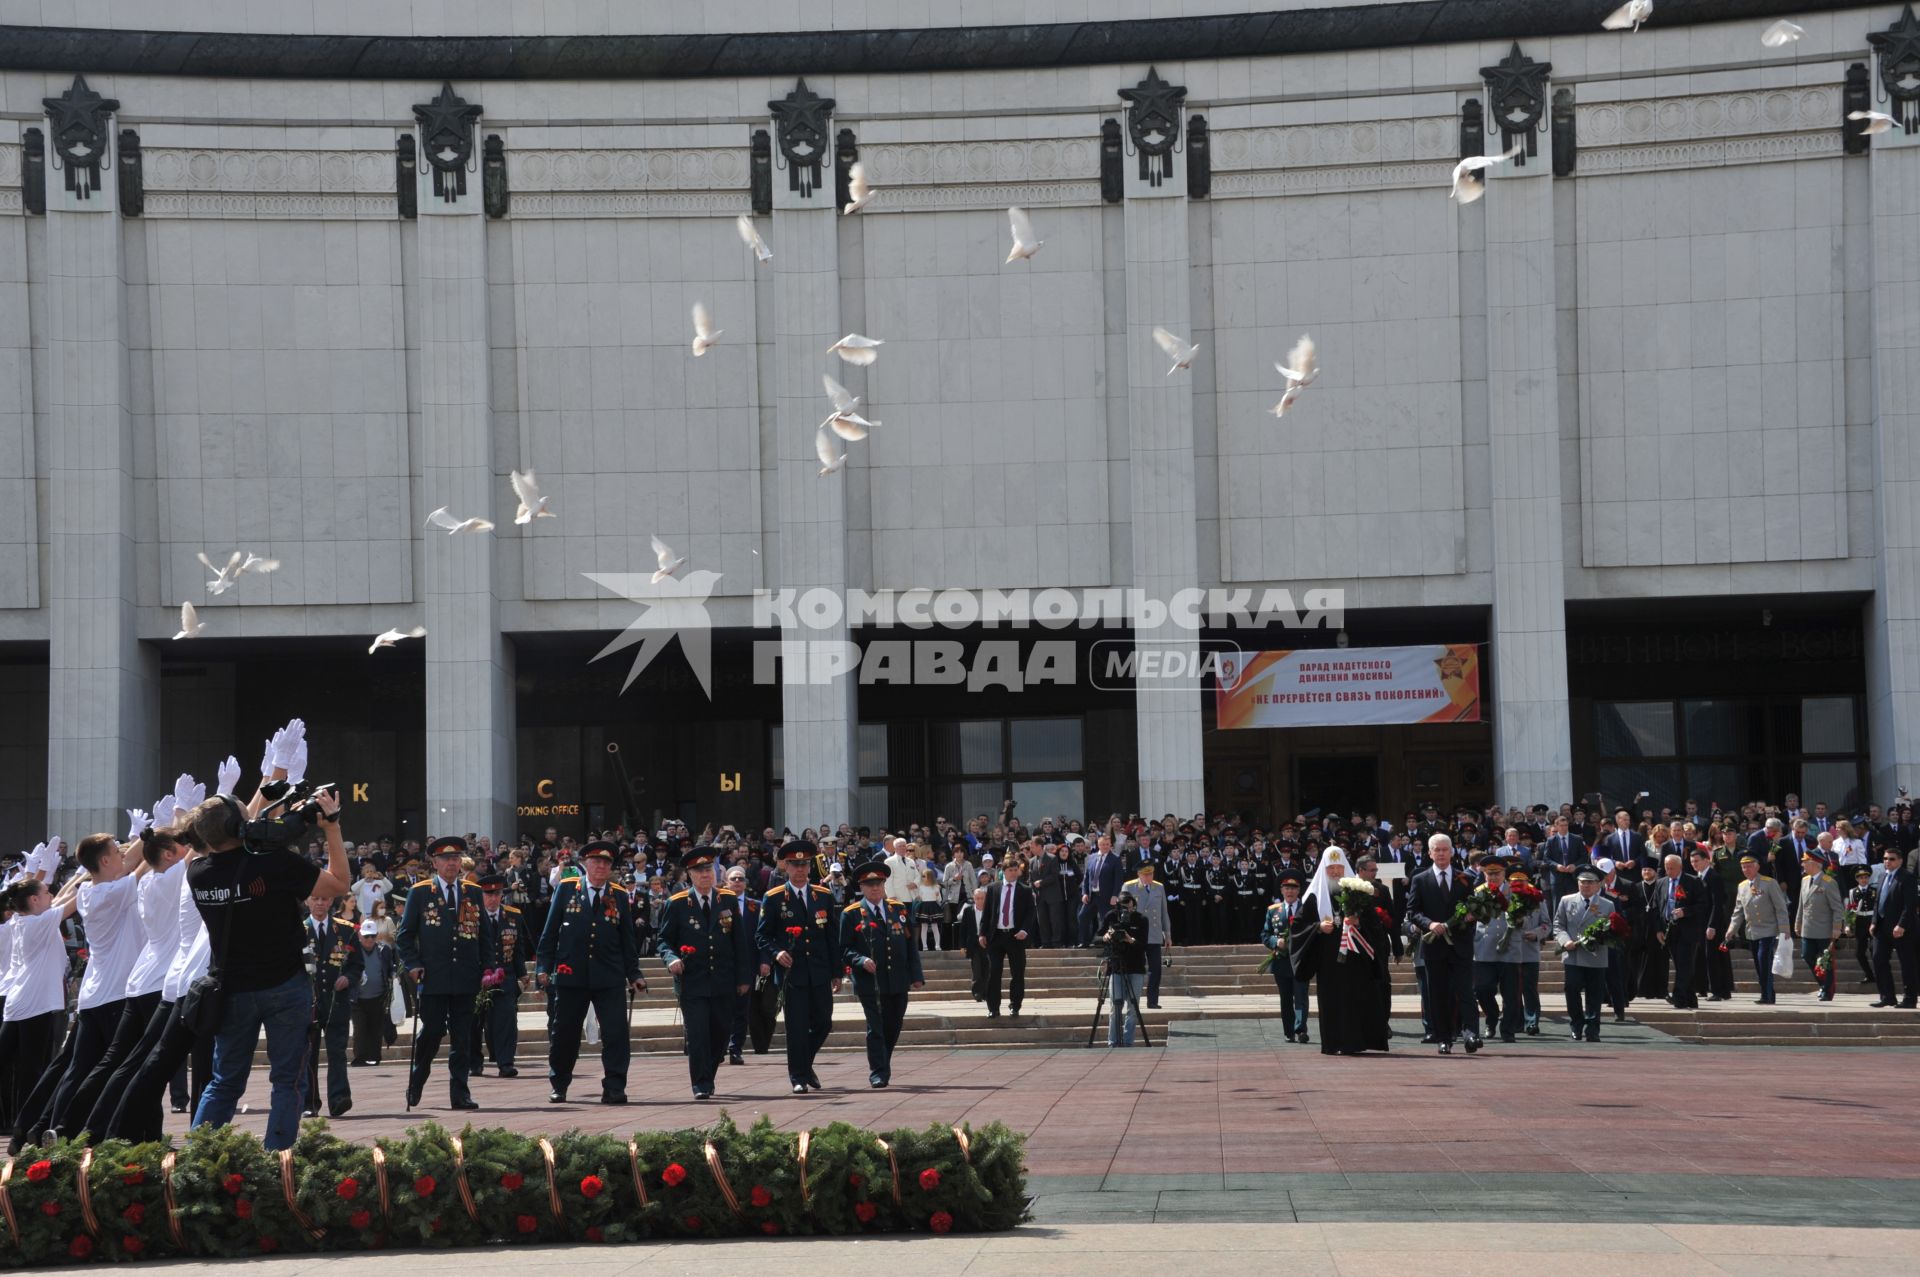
column 885, row 961
column 1245, row 907
column 499, row 1025
column 588, row 957
column 1276, row 935
column 442, row 938
column 710, row 956
column 336, row 970
column 800, row 935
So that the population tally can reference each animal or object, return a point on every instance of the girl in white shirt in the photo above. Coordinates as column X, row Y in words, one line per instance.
column 36, row 1010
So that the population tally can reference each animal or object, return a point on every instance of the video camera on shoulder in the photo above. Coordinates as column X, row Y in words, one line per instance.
column 291, row 811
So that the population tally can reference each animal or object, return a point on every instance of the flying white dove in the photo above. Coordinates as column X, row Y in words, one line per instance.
column 1782, row 33
column 1631, row 14
column 255, row 563
column 1286, row 401
column 1177, row 350
column 858, row 191
column 838, row 396
column 1468, row 185
column 856, row 349
column 823, row 448
column 533, row 504
column 190, row 622
column 1303, row 364
column 388, row 638
column 669, row 562
column 1876, row 121
column 224, row 577
column 1024, row 244
column 752, row 238
column 441, row 519
column 705, row 335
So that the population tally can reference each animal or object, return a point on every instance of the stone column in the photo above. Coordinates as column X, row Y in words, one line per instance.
column 817, row 708
column 1532, row 735
column 1893, row 616
column 1160, row 452
column 103, row 684
column 470, row 705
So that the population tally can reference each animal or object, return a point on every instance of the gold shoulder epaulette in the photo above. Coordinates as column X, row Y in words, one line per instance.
column 727, row 891
column 680, row 895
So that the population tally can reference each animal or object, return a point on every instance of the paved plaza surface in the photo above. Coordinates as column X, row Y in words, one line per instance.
column 1227, row 1122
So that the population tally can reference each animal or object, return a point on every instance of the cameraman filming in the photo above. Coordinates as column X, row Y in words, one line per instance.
column 1124, row 932
column 253, row 902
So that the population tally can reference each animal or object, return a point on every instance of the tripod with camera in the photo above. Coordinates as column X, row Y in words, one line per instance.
column 1118, row 934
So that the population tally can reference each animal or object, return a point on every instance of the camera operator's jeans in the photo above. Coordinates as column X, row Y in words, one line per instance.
column 1124, row 990
column 285, row 1011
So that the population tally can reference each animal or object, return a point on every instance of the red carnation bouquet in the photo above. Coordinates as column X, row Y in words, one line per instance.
column 1522, row 899
column 1483, row 905
column 1605, row 932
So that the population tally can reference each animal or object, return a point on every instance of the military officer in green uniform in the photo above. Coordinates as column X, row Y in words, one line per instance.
column 497, row 1029
column 443, row 936
column 589, row 957
column 799, row 937
column 880, row 951
column 336, row 964
column 711, row 959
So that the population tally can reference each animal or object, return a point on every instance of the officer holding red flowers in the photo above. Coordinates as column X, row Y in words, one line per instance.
column 589, row 956
column 885, row 962
column 799, row 938
column 711, row 959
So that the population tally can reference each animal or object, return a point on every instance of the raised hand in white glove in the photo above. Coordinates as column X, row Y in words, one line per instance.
column 164, row 812
column 188, row 793
column 229, row 774
column 297, row 765
column 266, row 754
column 286, row 740
column 138, row 823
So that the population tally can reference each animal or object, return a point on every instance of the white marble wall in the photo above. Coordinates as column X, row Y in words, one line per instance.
column 19, row 498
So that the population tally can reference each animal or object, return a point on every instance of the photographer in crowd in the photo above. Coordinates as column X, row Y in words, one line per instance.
column 1124, row 932
column 251, row 890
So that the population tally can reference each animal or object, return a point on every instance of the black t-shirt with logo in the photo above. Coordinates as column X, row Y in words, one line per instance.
column 262, row 898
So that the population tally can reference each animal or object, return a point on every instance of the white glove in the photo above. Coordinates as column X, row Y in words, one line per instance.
column 139, row 823
column 188, row 793
column 297, row 765
column 229, row 774
column 286, row 741
column 164, row 812
column 266, row 753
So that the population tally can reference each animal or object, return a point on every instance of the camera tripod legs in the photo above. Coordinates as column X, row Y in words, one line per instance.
column 1099, row 1005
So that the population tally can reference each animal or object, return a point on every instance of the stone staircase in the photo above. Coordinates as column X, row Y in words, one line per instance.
column 1223, row 983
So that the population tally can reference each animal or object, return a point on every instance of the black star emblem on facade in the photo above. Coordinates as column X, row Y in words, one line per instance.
column 1899, row 50
column 446, row 140
column 1517, row 93
column 1153, row 124
column 78, row 119
column 801, row 120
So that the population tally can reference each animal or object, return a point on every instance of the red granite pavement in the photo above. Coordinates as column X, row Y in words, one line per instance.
column 1748, row 1111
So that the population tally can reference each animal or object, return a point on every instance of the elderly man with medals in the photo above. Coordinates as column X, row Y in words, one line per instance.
column 799, row 937
column 1339, row 940
column 885, row 962
column 589, row 957
column 710, row 956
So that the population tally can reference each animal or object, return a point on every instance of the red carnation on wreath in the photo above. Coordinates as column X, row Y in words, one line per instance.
column 134, row 1177
column 243, row 1208
column 269, row 1244
column 854, row 1180
column 929, row 1180
column 526, row 1223
column 770, row 1228
column 760, row 1196
column 940, row 1222
column 692, row 1222
column 865, row 1211
column 49, row 1209
column 135, row 1214
column 674, row 1176
column 132, row 1245
column 512, row 1181
column 347, row 1189
column 591, row 1186
column 425, row 1185
column 360, row 1219
column 80, row 1247
column 39, row 1170
column 233, row 1184
column 594, row 1234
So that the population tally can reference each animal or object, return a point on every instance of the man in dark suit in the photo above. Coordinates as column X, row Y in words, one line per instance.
column 746, row 920
column 1680, row 920
column 1099, row 888
column 1050, row 893
column 709, row 952
column 1566, row 852
column 1894, row 914
column 1431, row 900
column 443, row 936
column 1621, row 844
column 1713, row 974
column 966, row 936
column 1006, row 928
column 877, row 936
column 589, row 956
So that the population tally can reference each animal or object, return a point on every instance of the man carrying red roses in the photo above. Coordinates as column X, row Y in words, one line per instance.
column 589, row 955
column 885, row 962
column 799, row 935
column 711, row 963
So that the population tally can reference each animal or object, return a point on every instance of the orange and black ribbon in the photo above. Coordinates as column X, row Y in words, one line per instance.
column 553, row 1189
column 289, row 1191
column 720, row 1179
